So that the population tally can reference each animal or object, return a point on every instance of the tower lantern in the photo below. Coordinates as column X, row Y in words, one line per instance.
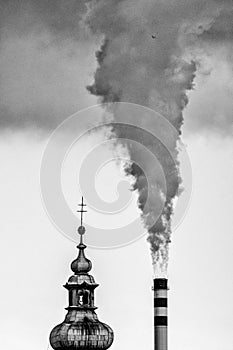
column 81, row 328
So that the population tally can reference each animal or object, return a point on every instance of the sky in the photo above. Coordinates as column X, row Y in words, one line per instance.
column 45, row 64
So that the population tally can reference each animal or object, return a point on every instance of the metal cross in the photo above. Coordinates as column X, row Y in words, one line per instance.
column 82, row 205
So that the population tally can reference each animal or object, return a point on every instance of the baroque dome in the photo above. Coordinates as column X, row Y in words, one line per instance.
column 81, row 335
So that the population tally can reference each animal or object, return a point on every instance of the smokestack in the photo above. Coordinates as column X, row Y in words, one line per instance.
column 160, row 313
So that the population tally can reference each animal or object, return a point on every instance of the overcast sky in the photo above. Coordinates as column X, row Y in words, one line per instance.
column 44, row 68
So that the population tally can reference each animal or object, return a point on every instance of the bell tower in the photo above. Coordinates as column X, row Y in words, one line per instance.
column 81, row 328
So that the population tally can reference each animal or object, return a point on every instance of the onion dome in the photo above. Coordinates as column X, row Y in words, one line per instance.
column 81, row 328
column 84, row 335
column 81, row 264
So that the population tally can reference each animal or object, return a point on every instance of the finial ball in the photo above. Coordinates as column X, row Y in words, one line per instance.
column 81, row 230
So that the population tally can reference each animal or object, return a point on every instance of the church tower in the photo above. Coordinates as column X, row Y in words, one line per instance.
column 81, row 328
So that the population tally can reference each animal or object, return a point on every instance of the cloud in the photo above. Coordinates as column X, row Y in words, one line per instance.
column 45, row 62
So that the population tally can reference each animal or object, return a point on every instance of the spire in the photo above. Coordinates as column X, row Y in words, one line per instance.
column 82, row 205
column 81, row 229
column 81, row 264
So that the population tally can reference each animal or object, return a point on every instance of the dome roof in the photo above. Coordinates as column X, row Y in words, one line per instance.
column 85, row 335
column 81, row 264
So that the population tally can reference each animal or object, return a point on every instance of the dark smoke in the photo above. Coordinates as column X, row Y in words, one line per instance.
column 46, row 59
column 155, row 72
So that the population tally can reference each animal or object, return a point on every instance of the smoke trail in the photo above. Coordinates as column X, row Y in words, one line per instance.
column 150, row 54
column 144, row 60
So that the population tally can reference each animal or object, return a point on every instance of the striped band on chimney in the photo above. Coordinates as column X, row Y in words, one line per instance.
column 160, row 313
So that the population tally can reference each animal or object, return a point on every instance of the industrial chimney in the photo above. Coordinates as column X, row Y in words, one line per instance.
column 160, row 313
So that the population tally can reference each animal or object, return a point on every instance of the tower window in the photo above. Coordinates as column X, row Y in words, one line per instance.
column 86, row 297
column 80, row 299
column 83, row 297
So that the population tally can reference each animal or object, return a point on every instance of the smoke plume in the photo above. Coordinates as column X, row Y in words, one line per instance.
column 149, row 56
column 151, row 53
